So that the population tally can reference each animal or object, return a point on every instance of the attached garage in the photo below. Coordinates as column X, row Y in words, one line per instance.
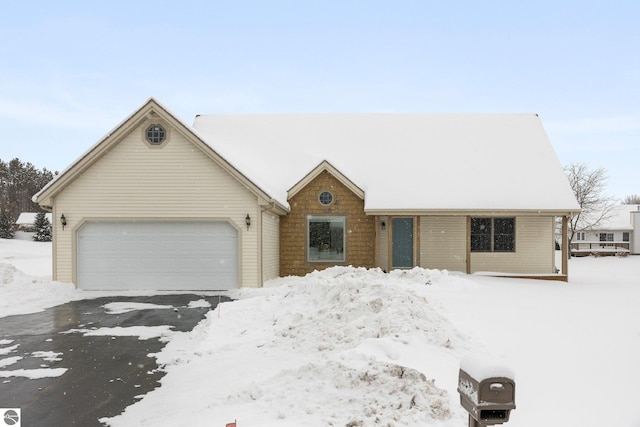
column 159, row 255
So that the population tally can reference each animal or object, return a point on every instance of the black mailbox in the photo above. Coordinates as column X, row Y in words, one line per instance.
column 488, row 399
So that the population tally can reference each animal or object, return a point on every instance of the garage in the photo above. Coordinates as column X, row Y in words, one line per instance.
column 157, row 255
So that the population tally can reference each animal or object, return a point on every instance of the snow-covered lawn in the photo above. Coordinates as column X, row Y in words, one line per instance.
column 359, row 347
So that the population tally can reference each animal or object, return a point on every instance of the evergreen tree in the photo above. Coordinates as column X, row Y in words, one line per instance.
column 6, row 228
column 19, row 181
column 42, row 228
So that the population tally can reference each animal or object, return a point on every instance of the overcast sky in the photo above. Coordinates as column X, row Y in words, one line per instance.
column 72, row 70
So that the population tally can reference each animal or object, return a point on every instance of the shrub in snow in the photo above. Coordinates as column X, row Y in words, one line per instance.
column 6, row 228
column 42, row 228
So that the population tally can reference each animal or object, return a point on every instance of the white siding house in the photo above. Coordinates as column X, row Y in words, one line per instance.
column 618, row 234
column 158, row 204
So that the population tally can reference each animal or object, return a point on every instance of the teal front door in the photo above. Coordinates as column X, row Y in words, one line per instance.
column 402, row 243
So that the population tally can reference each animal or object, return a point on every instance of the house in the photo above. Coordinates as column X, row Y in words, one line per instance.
column 235, row 200
column 26, row 220
column 618, row 234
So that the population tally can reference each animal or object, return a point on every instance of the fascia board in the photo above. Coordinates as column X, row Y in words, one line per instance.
column 325, row 166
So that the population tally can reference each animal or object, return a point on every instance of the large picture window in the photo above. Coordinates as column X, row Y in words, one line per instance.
column 326, row 238
column 493, row 234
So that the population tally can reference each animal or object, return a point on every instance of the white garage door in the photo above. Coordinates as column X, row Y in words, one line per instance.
column 162, row 255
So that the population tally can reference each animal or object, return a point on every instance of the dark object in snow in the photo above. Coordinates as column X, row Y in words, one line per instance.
column 6, row 229
column 488, row 399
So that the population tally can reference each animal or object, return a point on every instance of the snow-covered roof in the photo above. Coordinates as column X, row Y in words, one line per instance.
column 401, row 161
column 28, row 218
column 619, row 219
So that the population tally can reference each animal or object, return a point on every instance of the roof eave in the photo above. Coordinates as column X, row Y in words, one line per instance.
column 468, row 211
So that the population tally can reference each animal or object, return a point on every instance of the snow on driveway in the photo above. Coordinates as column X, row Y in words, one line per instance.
column 359, row 347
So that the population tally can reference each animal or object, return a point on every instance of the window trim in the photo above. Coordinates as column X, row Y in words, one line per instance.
column 157, row 122
column 333, row 198
column 606, row 237
column 344, row 239
column 491, row 235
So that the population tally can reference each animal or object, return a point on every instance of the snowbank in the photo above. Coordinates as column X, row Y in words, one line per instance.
column 333, row 348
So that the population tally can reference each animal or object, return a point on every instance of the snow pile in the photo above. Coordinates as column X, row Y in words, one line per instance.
column 125, row 307
column 34, row 374
column 25, row 278
column 163, row 332
column 22, row 294
column 321, row 350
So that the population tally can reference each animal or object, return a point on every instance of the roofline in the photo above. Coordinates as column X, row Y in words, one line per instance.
column 328, row 167
column 467, row 212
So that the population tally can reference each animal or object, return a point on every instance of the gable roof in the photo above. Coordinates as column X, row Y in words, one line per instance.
column 322, row 167
column 150, row 108
column 619, row 219
column 403, row 162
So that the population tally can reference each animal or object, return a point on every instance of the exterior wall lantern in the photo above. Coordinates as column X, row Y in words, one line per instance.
column 383, row 225
column 247, row 221
column 63, row 221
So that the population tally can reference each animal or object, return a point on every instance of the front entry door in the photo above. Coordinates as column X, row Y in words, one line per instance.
column 402, row 243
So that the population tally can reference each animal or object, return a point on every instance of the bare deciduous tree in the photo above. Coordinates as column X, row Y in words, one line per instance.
column 589, row 188
column 633, row 199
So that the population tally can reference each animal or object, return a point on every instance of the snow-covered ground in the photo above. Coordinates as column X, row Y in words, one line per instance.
column 359, row 347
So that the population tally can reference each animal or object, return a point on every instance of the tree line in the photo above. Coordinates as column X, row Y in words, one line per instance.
column 19, row 181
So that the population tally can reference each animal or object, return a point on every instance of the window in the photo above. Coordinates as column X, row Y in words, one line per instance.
column 606, row 237
column 581, row 235
column 504, row 234
column 625, row 236
column 480, row 234
column 156, row 134
column 325, row 198
column 493, row 235
column 326, row 238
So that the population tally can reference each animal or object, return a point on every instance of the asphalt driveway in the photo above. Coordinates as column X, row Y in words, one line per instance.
column 104, row 374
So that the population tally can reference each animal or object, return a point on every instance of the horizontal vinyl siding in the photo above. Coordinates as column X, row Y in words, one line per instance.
column 383, row 242
column 175, row 180
column 534, row 250
column 270, row 246
column 443, row 243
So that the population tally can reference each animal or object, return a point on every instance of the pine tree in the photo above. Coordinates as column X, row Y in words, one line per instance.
column 42, row 228
column 6, row 228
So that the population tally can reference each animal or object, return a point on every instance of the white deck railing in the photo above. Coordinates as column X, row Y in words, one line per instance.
column 599, row 247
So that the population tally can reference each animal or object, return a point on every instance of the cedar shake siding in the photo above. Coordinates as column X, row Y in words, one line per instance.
column 359, row 245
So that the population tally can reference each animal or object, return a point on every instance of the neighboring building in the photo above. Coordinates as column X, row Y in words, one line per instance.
column 26, row 220
column 239, row 199
column 618, row 234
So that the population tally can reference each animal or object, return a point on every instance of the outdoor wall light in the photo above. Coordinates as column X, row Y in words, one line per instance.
column 63, row 221
column 247, row 220
column 383, row 225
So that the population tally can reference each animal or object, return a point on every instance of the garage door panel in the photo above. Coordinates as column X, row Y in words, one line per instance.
column 163, row 255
